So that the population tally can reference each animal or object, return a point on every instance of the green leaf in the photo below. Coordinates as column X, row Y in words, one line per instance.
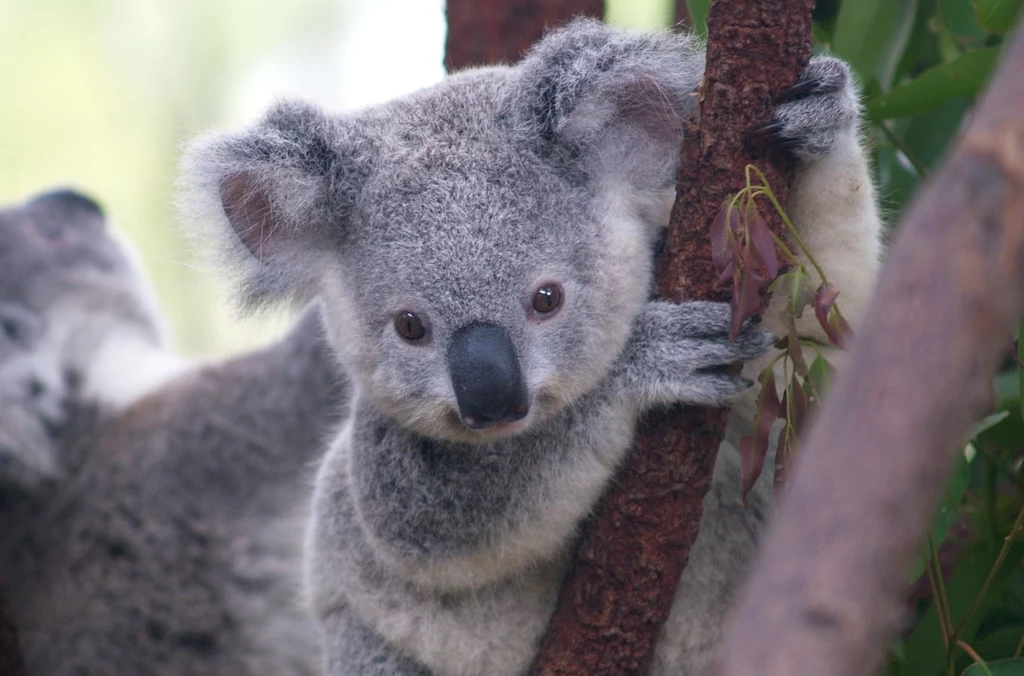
column 964, row 76
column 797, row 286
column 997, row 668
column 699, row 14
column 987, row 423
column 896, row 43
column 927, row 136
column 924, row 646
column 959, row 19
column 862, row 29
column 820, row 374
column 997, row 16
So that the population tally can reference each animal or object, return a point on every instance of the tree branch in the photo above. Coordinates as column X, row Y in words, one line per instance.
column 482, row 33
column 825, row 597
column 620, row 588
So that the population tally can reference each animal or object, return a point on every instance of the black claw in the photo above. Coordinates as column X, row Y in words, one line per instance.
column 766, row 131
column 779, row 144
column 800, row 89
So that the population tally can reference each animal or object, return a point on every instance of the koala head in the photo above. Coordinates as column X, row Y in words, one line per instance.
column 60, row 262
column 481, row 247
column 65, row 283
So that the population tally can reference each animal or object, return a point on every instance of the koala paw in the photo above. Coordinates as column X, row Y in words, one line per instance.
column 30, row 412
column 682, row 354
column 816, row 112
column 713, row 355
column 32, row 395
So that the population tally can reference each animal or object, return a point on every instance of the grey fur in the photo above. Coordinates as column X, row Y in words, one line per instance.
column 167, row 539
column 62, row 282
column 437, row 548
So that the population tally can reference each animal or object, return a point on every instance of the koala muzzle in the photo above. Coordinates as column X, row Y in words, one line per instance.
column 486, row 376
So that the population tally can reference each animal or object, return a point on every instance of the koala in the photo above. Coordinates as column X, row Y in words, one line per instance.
column 483, row 253
column 73, row 305
column 154, row 521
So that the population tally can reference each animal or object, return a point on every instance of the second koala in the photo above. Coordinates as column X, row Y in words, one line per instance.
column 483, row 252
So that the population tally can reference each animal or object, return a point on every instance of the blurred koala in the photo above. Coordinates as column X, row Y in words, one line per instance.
column 483, row 253
column 151, row 510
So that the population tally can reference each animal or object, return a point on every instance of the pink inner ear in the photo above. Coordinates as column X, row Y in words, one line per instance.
column 247, row 206
column 646, row 104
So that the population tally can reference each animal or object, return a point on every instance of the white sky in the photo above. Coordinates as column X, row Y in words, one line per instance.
column 381, row 49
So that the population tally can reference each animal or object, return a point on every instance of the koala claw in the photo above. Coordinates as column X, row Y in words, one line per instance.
column 814, row 112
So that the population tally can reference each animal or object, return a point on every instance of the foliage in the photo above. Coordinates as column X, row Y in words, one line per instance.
column 920, row 64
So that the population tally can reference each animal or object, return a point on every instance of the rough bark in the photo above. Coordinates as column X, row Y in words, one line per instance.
column 825, row 596
column 620, row 588
column 482, row 33
column 11, row 663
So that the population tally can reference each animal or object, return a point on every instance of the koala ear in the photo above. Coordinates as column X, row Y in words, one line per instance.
column 612, row 99
column 275, row 198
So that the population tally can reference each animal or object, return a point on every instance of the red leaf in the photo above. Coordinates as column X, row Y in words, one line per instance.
column 745, row 301
column 727, row 273
column 763, row 255
column 835, row 325
column 754, row 449
column 722, row 238
column 781, row 460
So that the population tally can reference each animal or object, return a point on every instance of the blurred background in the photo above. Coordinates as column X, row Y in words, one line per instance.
column 101, row 95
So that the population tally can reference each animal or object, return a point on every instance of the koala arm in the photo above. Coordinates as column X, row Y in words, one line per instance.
column 832, row 203
column 677, row 353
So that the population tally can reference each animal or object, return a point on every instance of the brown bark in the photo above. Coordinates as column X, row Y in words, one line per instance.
column 482, row 32
column 825, row 596
column 11, row 663
column 620, row 588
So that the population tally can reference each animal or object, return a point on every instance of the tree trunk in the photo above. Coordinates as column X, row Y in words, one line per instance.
column 620, row 588
column 825, row 598
column 488, row 32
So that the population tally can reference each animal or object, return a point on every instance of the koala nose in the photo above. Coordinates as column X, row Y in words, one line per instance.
column 485, row 373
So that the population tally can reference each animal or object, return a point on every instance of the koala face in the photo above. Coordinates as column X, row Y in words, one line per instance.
column 481, row 247
column 472, row 305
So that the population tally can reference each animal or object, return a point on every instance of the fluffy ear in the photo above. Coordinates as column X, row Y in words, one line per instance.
column 612, row 99
column 276, row 198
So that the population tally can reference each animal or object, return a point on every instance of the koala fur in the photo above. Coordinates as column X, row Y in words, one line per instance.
column 154, row 523
column 445, row 511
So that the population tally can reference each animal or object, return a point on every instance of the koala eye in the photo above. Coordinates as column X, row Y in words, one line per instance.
column 410, row 326
column 547, row 298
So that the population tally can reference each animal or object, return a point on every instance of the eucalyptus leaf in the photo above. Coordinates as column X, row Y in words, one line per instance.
column 998, row 668
column 963, row 77
column 997, row 16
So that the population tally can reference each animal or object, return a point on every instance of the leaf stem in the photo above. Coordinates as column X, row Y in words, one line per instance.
column 767, row 192
column 974, row 656
column 934, row 570
column 903, row 148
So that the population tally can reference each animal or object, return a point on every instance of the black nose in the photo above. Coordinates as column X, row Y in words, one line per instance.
column 485, row 373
